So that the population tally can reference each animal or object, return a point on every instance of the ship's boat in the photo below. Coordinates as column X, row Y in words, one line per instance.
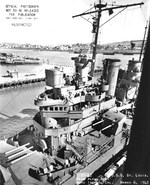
column 11, row 59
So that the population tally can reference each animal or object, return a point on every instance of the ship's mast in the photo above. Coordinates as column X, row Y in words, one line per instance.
column 95, row 31
column 96, row 24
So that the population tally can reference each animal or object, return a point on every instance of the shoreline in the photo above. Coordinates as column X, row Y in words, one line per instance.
column 127, row 51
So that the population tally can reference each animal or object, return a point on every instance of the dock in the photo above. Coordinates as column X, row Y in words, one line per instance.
column 14, row 79
column 19, row 80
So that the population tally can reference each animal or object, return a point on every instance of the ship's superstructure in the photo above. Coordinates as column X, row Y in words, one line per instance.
column 81, row 126
column 78, row 127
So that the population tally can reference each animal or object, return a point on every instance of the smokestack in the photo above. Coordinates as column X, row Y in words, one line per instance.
column 112, row 72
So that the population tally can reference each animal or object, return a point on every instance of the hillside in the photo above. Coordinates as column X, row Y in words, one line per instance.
column 117, row 47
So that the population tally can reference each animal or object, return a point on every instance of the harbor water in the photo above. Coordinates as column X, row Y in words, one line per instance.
column 17, row 104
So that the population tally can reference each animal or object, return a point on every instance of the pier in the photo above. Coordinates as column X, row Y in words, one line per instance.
column 14, row 79
column 19, row 80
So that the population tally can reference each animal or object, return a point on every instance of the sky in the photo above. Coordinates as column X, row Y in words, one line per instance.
column 53, row 23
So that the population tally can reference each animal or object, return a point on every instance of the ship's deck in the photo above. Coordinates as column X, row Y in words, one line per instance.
column 4, row 147
column 93, row 137
column 24, row 170
column 84, row 144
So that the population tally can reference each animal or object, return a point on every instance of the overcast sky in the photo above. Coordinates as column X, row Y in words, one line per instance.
column 55, row 25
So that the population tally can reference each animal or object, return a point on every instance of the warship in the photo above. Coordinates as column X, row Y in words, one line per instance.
column 83, row 122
